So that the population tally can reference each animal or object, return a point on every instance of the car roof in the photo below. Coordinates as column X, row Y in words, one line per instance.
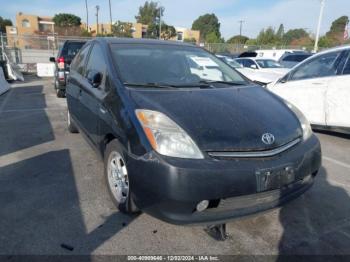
column 116, row 40
column 338, row 48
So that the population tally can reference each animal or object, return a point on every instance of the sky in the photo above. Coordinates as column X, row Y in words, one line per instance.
column 257, row 14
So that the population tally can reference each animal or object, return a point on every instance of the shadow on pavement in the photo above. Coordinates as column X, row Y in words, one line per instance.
column 318, row 222
column 23, row 120
column 40, row 209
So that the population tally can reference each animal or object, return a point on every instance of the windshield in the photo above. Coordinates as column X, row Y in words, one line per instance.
column 170, row 65
column 268, row 63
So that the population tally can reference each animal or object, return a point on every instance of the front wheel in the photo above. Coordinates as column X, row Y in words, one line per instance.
column 117, row 178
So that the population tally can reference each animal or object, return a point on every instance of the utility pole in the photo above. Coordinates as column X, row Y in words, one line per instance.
column 160, row 22
column 97, row 9
column 240, row 27
column 323, row 2
column 110, row 13
column 87, row 15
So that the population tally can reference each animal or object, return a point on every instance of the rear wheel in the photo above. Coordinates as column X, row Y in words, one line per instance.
column 60, row 93
column 117, row 178
column 71, row 126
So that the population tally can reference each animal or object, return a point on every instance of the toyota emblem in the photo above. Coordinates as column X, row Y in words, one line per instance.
column 268, row 138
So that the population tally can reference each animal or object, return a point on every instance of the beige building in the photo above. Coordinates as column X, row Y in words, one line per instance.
column 28, row 25
column 32, row 31
column 185, row 34
column 103, row 29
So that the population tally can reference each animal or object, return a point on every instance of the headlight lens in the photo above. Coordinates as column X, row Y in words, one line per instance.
column 166, row 137
column 305, row 125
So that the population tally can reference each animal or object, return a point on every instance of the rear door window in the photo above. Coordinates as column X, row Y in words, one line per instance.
column 96, row 61
column 321, row 66
column 80, row 61
column 346, row 70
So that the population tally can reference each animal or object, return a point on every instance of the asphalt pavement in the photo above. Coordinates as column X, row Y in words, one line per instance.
column 53, row 199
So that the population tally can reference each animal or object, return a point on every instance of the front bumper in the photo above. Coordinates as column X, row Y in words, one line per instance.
column 170, row 188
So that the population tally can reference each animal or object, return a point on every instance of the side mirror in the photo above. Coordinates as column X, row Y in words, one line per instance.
column 52, row 59
column 253, row 67
column 94, row 78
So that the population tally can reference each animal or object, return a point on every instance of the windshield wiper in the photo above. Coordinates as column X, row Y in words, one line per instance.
column 153, row 85
column 164, row 85
column 222, row 82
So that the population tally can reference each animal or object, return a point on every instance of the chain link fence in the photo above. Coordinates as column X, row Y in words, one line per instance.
column 26, row 51
column 224, row 48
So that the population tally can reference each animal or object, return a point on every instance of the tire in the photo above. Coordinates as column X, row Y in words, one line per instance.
column 115, row 171
column 71, row 126
column 60, row 93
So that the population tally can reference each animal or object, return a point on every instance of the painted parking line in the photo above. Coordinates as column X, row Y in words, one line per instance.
column 334, row 161
column 33, row 109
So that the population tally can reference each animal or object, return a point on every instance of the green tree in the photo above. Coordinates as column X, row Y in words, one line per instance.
column 208, row 25
column 335, row 36
column 85, row 33
column 66, row 20
column 168, row 31
column 267, row 36
column 4, row 23
column 190, row 40
column 325, row 42
column 280, row 32
column 339, row 24
column 238, row 39
column 149, row 13
column 252, row 42
column 295, row 34
column 213, row 38
column 122, row 29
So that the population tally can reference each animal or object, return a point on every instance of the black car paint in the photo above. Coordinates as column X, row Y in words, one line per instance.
column 169, row 188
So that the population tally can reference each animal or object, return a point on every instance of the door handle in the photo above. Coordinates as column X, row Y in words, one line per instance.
column 102, row 110
column 317, row 83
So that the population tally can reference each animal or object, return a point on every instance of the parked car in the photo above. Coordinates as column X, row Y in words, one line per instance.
column 184, row 148
column 276, row 54
column 289, row 60
column 64, row 58
column 264, row 71
column 319, row 87
column 261, row 78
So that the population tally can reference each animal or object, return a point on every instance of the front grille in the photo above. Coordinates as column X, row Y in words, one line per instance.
column 255, row 154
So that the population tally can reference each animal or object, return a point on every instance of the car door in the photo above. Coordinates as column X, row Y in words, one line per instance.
column 75, row 81
column 338, row 96
column 306, row 86
column 91, row 97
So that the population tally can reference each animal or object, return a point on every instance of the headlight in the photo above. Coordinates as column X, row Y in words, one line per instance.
column 166, row 137
column 305, row 125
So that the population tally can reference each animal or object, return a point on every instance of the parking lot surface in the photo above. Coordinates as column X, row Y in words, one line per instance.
column 52, row 192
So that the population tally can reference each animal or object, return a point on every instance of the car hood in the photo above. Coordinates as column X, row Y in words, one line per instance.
column 224, row 119
column 278, row 71
column 256, row 75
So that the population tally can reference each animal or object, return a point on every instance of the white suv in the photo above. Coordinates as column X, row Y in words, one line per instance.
column 320, row 88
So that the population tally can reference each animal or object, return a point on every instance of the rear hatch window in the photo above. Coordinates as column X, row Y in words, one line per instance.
column 70, row 50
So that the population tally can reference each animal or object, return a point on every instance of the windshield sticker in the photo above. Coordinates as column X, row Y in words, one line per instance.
column 203, row 61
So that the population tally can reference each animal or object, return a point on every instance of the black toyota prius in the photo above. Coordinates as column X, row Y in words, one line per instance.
column 185, row 137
